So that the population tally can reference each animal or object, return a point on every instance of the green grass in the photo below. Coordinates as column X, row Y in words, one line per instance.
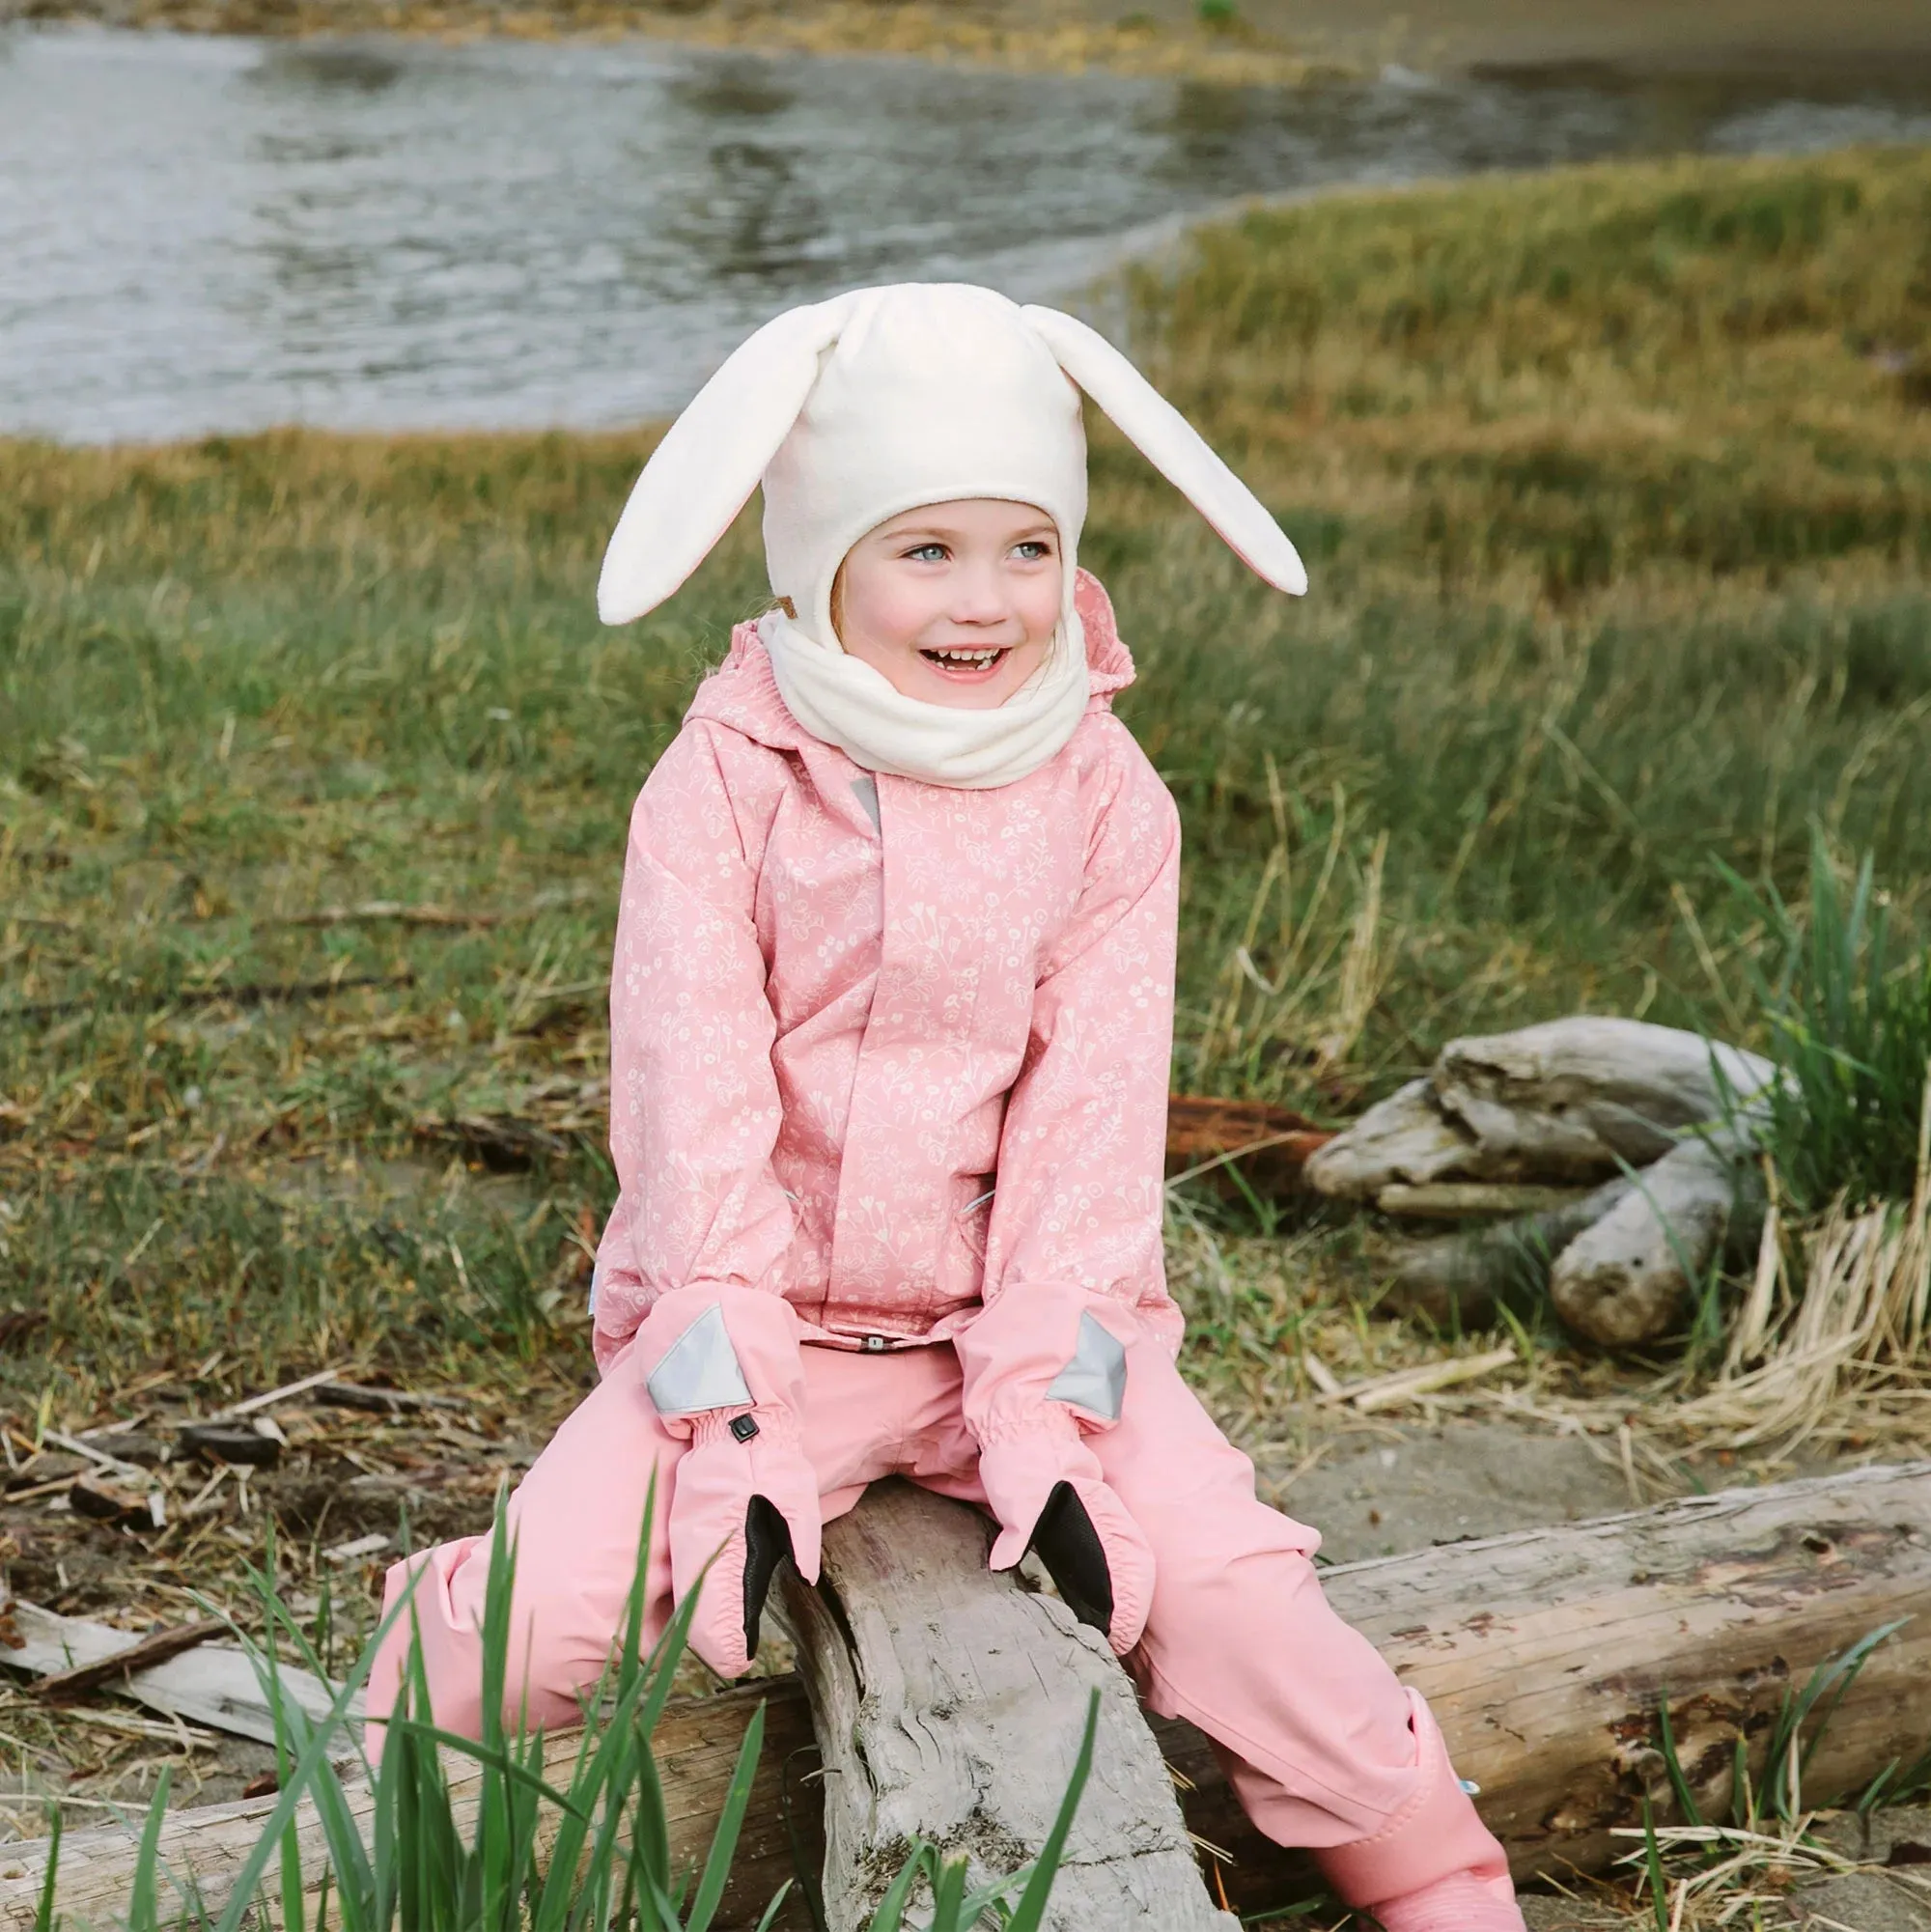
column 1851, row 1034
column 1615, row 488
column 572, row 1841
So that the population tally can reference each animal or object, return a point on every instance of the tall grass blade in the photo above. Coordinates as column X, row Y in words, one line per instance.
column 1032, row 1908
column 45, row 1919
column 730, row 1821
column 143, row 1901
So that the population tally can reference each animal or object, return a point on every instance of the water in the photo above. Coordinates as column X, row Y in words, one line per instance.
column 202, row 234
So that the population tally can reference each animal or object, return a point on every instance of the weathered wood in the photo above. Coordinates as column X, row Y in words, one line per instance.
column 949, row 1705
column 213, row 1684
column 66, row 1686
column 1571, row 1101
column 1544, row 1653
column 1463, row 1279
column 1632, row 1273
column 1475, row 1200
column 1579, row 1099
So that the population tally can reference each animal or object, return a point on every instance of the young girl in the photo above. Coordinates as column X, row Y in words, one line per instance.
column 891, row 1018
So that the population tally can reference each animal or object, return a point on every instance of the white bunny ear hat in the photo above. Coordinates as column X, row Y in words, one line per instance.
column 886, row 400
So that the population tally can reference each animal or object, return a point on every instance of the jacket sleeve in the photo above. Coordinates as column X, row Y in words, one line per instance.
column 694, row 1109
column 1075, row 1267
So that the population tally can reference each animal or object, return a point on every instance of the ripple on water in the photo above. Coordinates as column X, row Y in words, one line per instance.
column 202, row 234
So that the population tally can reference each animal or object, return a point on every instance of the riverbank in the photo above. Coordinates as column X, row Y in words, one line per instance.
column 1050, row 37
column 1250, row 42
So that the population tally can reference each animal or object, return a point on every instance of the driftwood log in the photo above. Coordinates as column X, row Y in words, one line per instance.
column 949, row 1705
column 1546, row 1654
column 1576, row 1102
column 1634, row 1272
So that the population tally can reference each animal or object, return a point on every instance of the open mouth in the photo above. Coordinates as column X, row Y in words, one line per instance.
column 966, row 667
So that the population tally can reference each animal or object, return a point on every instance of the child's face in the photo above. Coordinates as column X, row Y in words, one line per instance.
column 954, row 603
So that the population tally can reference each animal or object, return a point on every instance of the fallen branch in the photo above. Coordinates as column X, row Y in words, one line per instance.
column 399, row 912
column 381, row 1401
column 1409, row 1384
column 1268, row 1145
column 155, row 999
column 66, row 1686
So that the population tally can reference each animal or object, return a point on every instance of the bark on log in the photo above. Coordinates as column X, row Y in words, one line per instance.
column 1544, row 1655
column 1633, row 1273
column 1568, row 1101
column 1270, row 1145
column 949, row 1706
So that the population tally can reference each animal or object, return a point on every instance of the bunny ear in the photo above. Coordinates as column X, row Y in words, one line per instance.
column 1173, row 446
column 704, row 471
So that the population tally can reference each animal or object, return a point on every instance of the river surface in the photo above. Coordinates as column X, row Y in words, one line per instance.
column 217, row 235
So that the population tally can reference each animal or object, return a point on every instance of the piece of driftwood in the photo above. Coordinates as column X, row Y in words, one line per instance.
column 949, row 1704
column 1544, row 1654
column 1568, row 1101
column 211, row 1684
column 1632, row 1273
column 1460, row 1279
column 1475, row 1200
column 65, row 1687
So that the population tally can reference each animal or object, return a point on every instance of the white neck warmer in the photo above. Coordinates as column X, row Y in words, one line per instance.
column 886, row 400
column 846, row 702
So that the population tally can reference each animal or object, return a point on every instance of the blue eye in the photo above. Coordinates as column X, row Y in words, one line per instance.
column 1034, row 551
column 927, row 553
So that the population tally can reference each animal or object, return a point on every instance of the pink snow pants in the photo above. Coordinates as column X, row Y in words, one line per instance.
column 1311, row 1724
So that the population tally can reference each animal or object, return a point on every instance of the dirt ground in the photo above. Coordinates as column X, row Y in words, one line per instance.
column 1378, row 1491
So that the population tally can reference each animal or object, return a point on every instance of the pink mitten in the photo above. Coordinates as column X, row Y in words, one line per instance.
column 1044, row 1484
column 722, row 1369
column 1044, row 1367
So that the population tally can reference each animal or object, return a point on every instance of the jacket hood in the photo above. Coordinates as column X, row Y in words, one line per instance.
column 743, row 695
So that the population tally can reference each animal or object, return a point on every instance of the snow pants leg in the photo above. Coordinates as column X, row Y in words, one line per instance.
column 578, row 1516
column 1322, row 1744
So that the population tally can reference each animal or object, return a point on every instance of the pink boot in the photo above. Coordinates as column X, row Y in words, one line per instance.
column 1436, row 1867
column 1461, row 1902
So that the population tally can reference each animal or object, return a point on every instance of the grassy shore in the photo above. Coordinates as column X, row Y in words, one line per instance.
column 1215, row 45
column 1615, row 488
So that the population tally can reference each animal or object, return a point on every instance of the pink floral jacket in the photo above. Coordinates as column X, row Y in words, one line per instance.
column 891, row 1052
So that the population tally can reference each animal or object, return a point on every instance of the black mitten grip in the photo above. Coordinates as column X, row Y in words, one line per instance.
column 766, row 1545
column 1074, row 1558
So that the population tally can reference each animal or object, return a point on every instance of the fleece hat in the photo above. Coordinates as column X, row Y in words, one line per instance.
column 852, row 410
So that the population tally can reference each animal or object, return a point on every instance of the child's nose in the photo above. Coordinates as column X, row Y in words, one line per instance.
column 981, row 595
